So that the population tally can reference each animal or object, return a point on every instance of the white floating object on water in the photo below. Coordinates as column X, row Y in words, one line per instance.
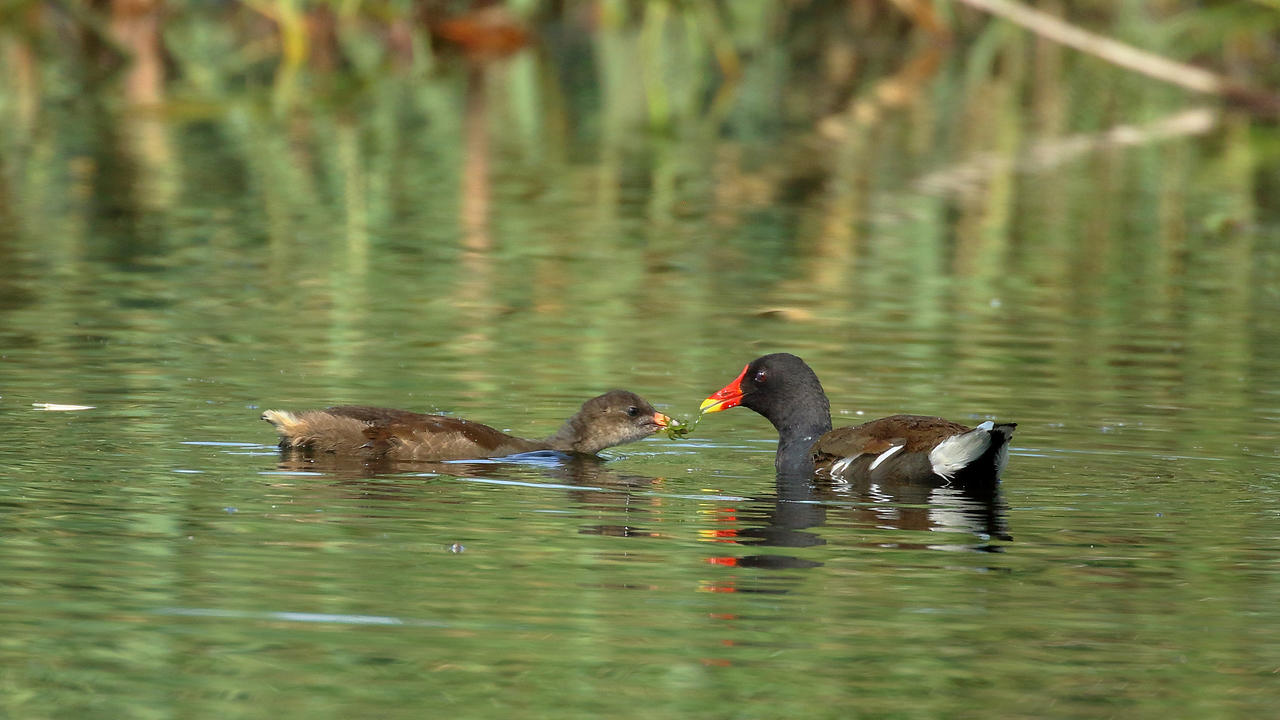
column 59, row 407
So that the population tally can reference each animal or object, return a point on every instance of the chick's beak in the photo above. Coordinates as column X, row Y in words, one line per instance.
column 661, row 420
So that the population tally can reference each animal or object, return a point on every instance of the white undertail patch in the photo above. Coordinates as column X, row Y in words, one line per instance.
column 956, row 452
column 284, row 420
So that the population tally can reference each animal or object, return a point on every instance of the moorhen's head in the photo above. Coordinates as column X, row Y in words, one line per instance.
column 613, row 418
column 781, row 387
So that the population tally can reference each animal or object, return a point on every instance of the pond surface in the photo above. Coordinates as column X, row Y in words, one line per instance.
column 965, row 256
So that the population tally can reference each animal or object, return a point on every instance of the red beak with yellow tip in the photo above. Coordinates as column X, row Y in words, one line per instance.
column 726, row 397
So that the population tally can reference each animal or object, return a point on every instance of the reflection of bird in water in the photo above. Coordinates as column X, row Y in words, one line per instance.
column 598, row 494
column 790, row 518
column 976, row 510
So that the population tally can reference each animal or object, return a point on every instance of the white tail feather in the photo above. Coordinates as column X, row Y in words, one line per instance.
column 284, row 420
column 956, row 452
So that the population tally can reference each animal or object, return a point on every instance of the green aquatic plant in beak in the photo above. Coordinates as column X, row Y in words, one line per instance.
column 677, row 429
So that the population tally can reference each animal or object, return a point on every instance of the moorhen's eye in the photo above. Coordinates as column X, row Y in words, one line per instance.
column 633, row 411
column 761, row 376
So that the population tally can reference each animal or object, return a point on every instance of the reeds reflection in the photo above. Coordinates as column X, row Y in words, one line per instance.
column 1004, row 215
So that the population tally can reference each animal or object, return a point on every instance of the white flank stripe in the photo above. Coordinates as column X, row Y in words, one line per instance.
column 838, row 468
column 885, row 456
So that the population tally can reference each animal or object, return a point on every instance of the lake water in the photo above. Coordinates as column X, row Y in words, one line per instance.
column 491, row 248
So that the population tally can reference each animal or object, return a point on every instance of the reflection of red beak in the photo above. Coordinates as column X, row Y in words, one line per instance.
column 726, row 397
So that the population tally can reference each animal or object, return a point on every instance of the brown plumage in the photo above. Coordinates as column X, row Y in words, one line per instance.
column 916, row 433
column 613, row 418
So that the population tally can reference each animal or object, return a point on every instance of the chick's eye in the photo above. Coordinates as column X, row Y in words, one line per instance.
column 633, row 411
column 761, row 376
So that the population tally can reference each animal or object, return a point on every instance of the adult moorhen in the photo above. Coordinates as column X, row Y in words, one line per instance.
column 899, row 448
column 613, row 418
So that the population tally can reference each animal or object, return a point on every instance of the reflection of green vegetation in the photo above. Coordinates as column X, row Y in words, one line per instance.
column 685, row 58
column 823, row 181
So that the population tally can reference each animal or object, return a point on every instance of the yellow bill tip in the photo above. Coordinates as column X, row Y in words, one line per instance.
column 711, row 405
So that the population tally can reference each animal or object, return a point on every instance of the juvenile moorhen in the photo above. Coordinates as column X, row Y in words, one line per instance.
column 899, row 448
column 613, row 418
